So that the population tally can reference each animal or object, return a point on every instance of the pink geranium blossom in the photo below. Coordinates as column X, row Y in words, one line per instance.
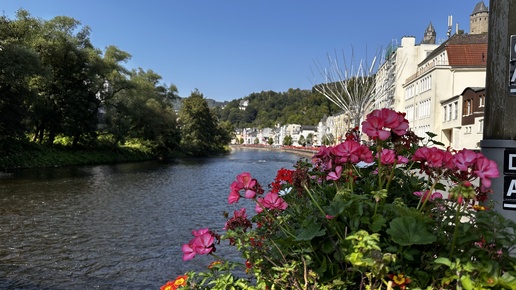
column 386, row 156
column 201, row 244
column 378, row 123
column 374, row 127
column 348, row 150
column 426, row 195
column 244, row 182
column 485, row 170
column 271, row 201
column 335, row 175
column 464, row 159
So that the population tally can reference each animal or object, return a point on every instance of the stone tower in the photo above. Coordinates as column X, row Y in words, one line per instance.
column 479, row 19
column 430, row 34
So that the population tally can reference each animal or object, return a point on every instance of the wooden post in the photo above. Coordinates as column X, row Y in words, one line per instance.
column 499, row 138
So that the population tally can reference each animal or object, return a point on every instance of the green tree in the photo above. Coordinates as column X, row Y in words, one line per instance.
column 198, row 126
column 287, row 141
column 144, row 110
column 270, row 141
column 67, row 102
column 19, row 64
column 310, row 139
column 302, row 140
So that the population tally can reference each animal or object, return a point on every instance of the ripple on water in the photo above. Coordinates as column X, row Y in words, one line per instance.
column 118, row 226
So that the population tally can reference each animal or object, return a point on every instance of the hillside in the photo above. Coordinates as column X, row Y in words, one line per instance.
column 268, row 108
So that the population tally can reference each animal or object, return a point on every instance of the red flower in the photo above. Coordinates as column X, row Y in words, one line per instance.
column 400, row 280
column 173, row 285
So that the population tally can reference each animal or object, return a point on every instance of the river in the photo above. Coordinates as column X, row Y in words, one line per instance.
column 117, row 226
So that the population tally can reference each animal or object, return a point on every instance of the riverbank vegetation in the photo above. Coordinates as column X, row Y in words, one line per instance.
column 65, row 101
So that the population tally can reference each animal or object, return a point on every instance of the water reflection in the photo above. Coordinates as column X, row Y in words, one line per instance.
column 116, row 226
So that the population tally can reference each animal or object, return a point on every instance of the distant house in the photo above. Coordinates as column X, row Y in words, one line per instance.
column 243, row 104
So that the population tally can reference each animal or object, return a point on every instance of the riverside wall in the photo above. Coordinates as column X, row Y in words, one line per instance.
column 303, row 151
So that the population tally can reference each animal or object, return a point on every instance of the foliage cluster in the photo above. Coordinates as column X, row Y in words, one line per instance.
column 387, row 213
column 56, row 85
column 269, row 108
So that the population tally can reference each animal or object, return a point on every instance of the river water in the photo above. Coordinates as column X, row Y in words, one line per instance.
column 117, row 226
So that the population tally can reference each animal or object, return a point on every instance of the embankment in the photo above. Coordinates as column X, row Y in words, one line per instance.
column 303, row 151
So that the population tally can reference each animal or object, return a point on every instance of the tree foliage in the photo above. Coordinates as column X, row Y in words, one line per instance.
column 56, row 85
column 269, row 108
column 201, row 132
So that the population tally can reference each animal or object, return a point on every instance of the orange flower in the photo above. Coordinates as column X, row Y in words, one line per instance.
column 168, row 286
column 173, row 285
column 214, row 263
column 400, row 280
column 180, row 281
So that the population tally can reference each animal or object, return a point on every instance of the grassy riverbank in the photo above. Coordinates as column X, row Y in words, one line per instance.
column 32, row 155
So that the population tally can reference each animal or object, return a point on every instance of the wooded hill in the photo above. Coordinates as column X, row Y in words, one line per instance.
column 269, row 108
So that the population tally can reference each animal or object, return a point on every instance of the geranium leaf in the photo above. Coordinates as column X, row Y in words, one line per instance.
column 378, row 221
column 408, row 231
column 313, row 230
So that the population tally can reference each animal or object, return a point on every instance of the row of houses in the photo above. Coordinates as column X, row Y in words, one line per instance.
column 440, row 87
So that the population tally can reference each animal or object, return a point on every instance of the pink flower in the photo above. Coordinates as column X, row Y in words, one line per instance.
column 486, row 169
column 426, row 195
column 245, row 182
column 271, row 201
column 188, row 252
column 402, row 159
column 348, row 150
column 387, row 156
column 378, row 121
column 464, row 159
column 239, row 220
column 201, row 244
column 336, row 174
column 365, row 154
column 433, row 157
column 373, row 127
column 204, row 243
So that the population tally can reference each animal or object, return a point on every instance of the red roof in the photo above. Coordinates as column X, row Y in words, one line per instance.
column 470, row 54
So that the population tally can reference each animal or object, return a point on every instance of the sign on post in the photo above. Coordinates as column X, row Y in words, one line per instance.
column 509, row 179
column 512, row 66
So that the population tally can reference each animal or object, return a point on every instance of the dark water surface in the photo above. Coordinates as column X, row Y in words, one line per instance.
column 117, row 226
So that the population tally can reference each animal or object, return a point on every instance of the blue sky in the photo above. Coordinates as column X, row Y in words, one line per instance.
column 229, row 49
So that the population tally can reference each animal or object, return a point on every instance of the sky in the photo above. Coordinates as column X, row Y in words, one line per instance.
column 229, row 49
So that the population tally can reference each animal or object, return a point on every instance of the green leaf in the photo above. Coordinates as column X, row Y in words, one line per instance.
column 408, row 231
column 313, row 230
column 443, row 261
column 378, row 221
column 466, row 282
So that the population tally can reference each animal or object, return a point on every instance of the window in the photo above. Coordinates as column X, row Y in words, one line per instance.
column 445, row 113
column 468, row 107
column 455, row 110
column 481, row 100
column 449, row 112
column 480, row 125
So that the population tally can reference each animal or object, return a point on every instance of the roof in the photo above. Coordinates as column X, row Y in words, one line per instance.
column 430, row 27
column 479, row 8
column 463, row 50
column 475, row 89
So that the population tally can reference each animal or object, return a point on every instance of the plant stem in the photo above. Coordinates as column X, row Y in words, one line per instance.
column 283, row 229
column 456, row 230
